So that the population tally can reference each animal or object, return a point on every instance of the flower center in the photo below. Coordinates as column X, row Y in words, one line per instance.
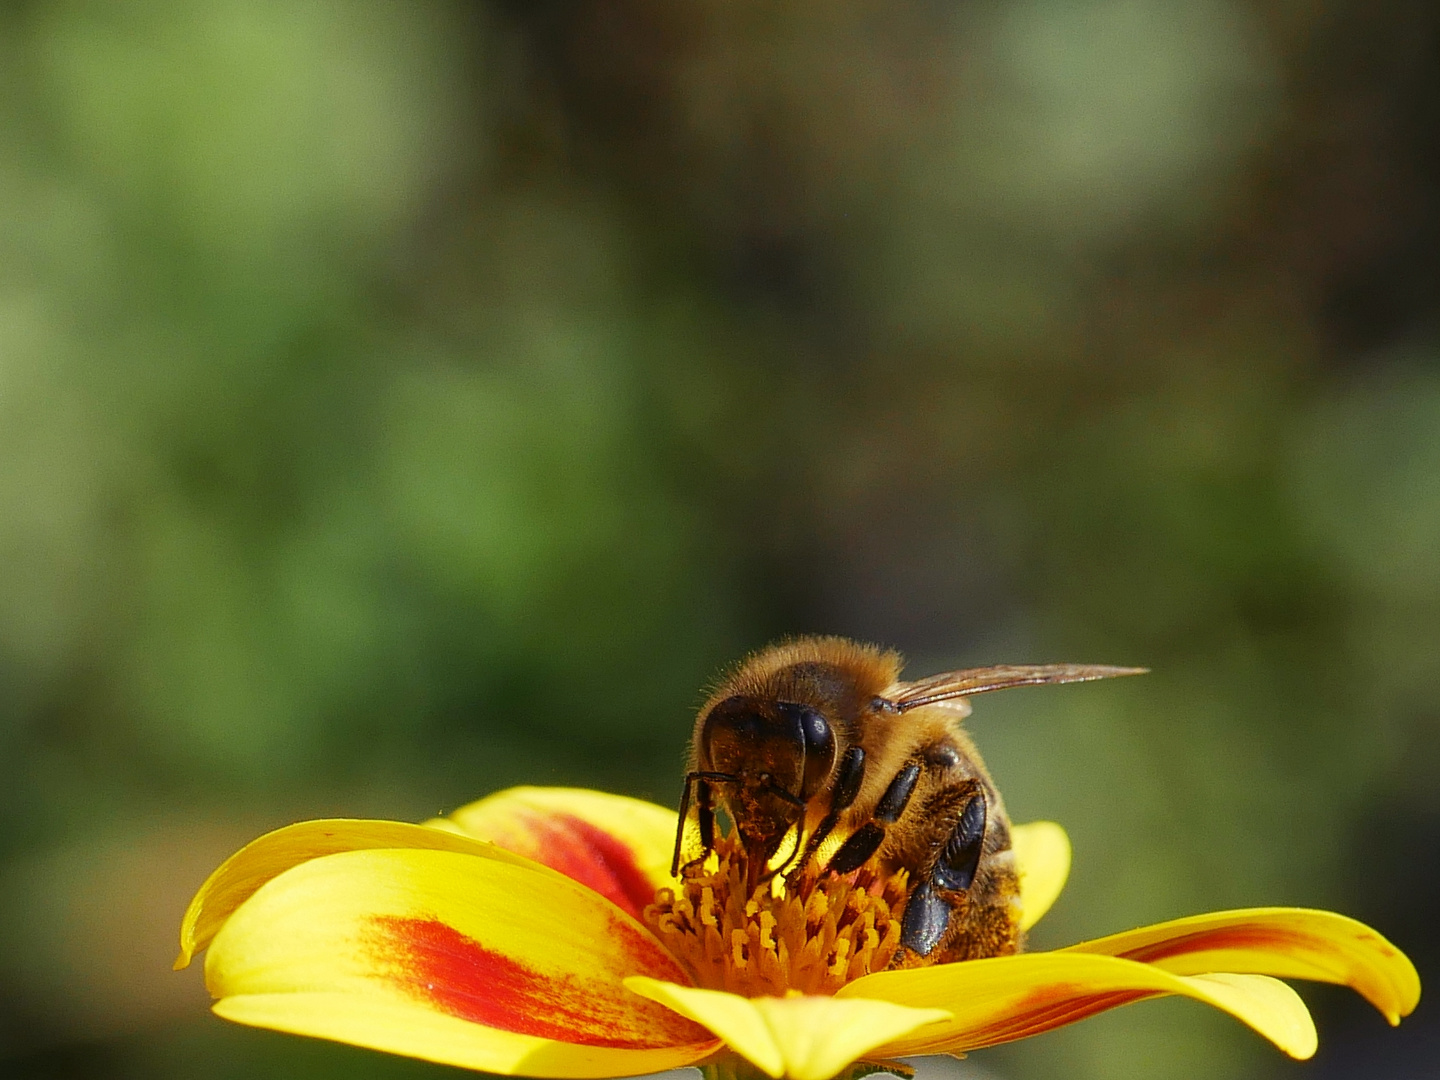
column 811, row 936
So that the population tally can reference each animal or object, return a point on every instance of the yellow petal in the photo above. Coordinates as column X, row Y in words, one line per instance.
column 1294, row 943
column 1042, row 858
column 275, row 852
column 804, row 1038
column 819, row 1036
column 1289, row 1025
column 402, row 1028
column 1011, row 997
column 511, row 964
column 729, row 1016
column 619, row 847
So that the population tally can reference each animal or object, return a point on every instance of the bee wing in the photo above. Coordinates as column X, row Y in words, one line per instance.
column 950, row 685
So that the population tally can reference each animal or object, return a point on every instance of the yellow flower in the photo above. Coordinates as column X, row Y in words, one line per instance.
column 538, row 932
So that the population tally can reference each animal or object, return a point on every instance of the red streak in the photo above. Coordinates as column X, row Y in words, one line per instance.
column 459, row 976
column 1223, row 938
column 1052, row 1007
column 589, row 855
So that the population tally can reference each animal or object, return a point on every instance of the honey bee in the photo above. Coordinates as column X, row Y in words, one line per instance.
column 818, row 738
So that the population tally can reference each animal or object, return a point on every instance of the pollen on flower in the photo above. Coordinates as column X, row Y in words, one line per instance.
column 810, row 936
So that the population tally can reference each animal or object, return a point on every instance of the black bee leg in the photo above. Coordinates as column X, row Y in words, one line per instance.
column 866, row 840
column 927, row 912
column 704, row 814
column 847, row 785
column 927, row 917
column 955, row 869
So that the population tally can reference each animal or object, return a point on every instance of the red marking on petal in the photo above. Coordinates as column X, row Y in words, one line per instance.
column 1046, row 1011
column 589, row 855
column 1261, row 939
column 1051, row 1007
column 459, row 976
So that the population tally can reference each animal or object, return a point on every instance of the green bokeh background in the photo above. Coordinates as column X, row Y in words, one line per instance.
column 399, row 401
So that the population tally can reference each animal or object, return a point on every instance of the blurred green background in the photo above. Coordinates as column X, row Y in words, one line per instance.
column 399, row 401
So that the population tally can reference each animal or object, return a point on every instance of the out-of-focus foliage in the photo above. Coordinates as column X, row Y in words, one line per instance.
column 403, row 400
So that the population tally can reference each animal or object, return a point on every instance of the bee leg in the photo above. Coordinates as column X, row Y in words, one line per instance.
column 847, row 785
column 927, row 917
column 955, row 869
column 866, row 840
column 704, row 814
column 927, row 912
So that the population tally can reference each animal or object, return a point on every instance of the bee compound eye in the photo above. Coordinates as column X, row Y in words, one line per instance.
column 817, row 741
column 816, row 729
column 731, row 727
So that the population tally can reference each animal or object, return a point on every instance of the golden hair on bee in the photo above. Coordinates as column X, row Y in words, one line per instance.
column 807, row 668
column 815, row 746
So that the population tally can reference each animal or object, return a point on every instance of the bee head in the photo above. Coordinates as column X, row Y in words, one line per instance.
column 779, row 754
